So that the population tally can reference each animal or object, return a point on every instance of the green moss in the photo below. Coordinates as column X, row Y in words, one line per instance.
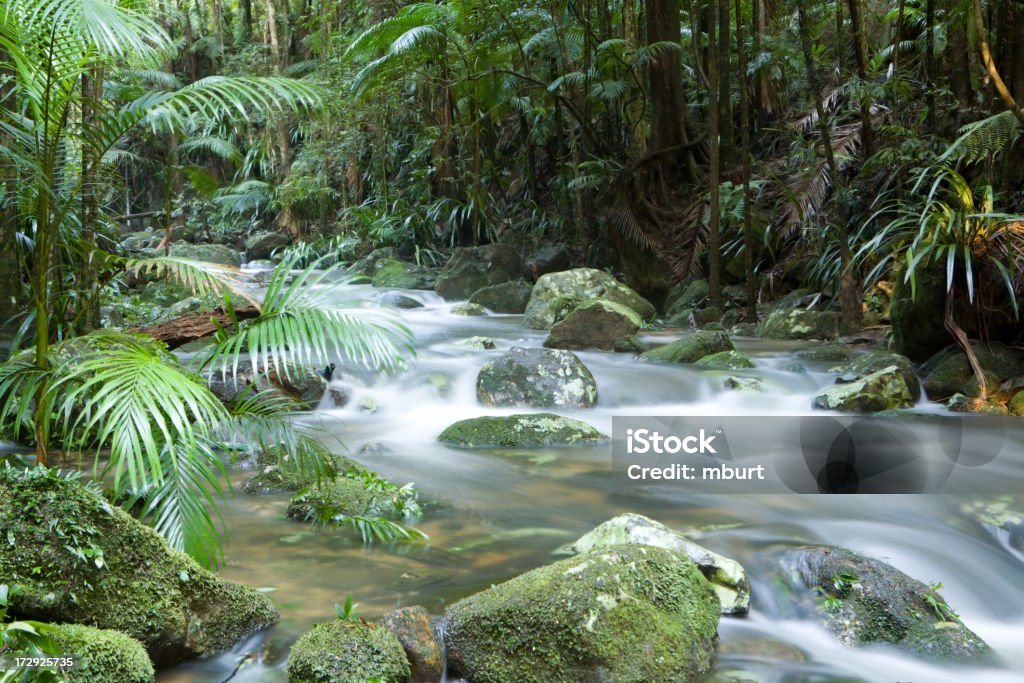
column 557, row 294
column 348, row 652
column 389, row 272
column 625, row 614
column 520, row 431
column 1016, row 404
column 882, row 390
column 691, row 348
column 72, row 557
column 734, row 360
column 341, row 496
column 469, row 309
column 799, row 324
column 873, row 361
column 102, row 655
column 506, row 297
column 825, row 352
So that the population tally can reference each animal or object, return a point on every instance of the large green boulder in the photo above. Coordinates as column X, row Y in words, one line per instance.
column 339, row 496
column 473, row 268
column 797, row 323
column 102, row 655
column 535, row 430
column 348, row 652
column 629, row 614
column 263, row 245
column 727, row 577
column 733, row 360
column 556, row 295
column 538, row 378
column 368, row 264
column 863, row 365
column 691, row 348
column 685, row 296
column 949, row 372
column 505, row 297
column 70, row 556
column 883, row 390
column 394, row 274
column 208, row 253
column 864, row 601
column 595, row 325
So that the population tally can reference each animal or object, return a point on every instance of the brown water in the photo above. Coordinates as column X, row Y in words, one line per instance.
column 492, row 515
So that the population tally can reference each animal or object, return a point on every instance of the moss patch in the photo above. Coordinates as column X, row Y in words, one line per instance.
column 691, row 348
column 103, row 655
column 348, row 652
column 520, row 431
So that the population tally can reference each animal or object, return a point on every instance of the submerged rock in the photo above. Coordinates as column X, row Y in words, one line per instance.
column 473, row 268
column 535, row 430
column 596, row 325
column 102, row 655
column 863, row 365
column 556, row 295
column 468, row 309
column 414, row 629
column 478, row 343
column 505, row 297
column 348, row 652
column 540, row 378
column 863, row 600
column 629, row 344
column 727, row 577
column 882, row 390
column 629, row 614
column 123, row 576
column 734, row 360
column 399, row 300
column 1000, row 515
column 691, row 348
column 744, row 384
column 798, row 323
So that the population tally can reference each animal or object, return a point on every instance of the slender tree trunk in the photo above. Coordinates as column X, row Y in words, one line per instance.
column 246, row 6
column 929, row 63
column 748, row 229
column 714, row 174
column 287, row 221
column 990, row 65
column 861, row 49
column 949, row 321
column 668, row 105
column 726, row 129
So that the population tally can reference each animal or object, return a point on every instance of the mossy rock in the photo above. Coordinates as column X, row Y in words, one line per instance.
column 706, row 317
column 556, row 295
column 686, row 296
column 748, row 385
column 473, row 268
column 395, row 274
column 535, row 430
column 208, row 253
column 479, row 343
column 595, row 325
column 629, row 344
column 139, row 586
column 743, row 330
column 733, row 360
column 628, row 613
column 826, row 352
column 1016, row 404
column 959, row 403
column 340, row 496
column 504, row 297
column 348, row 652
column 691, row 348
column 882, row 390
column 414, row 629
column 103, row 655
column 948, row 372
column 367, row 266
column 799, row 324
column 469, row 309
column 870, row 601
column 863, row 365
column 1001, row 515
column 263, row 245
column 539, row 378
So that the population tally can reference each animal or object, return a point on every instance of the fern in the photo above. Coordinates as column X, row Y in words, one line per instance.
column 985, row 139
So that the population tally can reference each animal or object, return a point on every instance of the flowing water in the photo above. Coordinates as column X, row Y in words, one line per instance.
column 492, row 515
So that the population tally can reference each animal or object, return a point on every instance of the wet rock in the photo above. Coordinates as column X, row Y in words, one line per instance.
column 340, row 496
column 863, row 600
column 367, row 405
column 549, row 260
column 414, row 629
column 140, row 241
column 627, row 613
column 469, row 309
column 882, row 390
column 691, row 348
column 339, row 396
column 1001, row 516
column 348, row 652
column 535, row 430
column 272, row 480
column 207, row 253
column 263, row 245
column 744, row 384
column 479, row 343
column 629, row 344
column 705, row 317
column 828, row 352
column 367, row 265
column 685, row 296
column 540, row 378
column 473, row 268
column 863, row 365
column 102, row 655
column 734, row 360
column 743, row 330
column 392, row 273
column 399, row 300
column 959, row 403
column 728, row 578
column 1016, row 404
column 556, row 295
column 799, row 324
column 505, row 297
column 303, row 384
column 949, row 372
column 130, row 580
column 595, row 325
column 796, row 368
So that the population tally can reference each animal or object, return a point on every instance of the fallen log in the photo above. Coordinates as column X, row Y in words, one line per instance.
column 182, row 330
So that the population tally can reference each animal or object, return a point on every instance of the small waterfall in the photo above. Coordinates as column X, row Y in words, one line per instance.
column 440, row 630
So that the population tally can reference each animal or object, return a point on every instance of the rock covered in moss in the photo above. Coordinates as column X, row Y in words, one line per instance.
column 535, row 430
column 469, row 309
column 414, row 629
column 627, row 613
column 348, row 652
column 367, row 265
column 734, row 360
column 866, row 363
column 825, row 352
column 328, row 499
column 728, row 578
column 863, row 601
column 744, row 384
column 1015, row 406
column 595, row 325
column 263, row 245
column 208, row 253
column 629, row 344
column 798, row 323
column 948, row 372
column 684, row 297
column 473, row 268
column 691, row 348
column 959, row 403
column 392, row 273
column 882, row 390
column 539, row 378
column 556, row 295
column 504, row 297
column 479, row 343
column 102, row 655
column 77, row 559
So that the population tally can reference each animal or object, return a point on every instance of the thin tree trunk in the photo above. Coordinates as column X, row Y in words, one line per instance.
column 727, row 145
column 964, row 343
column 929, row 63
column 714, row 175
column 748, row 230
column 861, row 45
column 286, row 220
column 990, row 65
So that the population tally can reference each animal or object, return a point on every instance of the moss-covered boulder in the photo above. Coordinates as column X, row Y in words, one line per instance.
column 469, row 309
column 727, row 577
column 798, row 323
column 733, row 360
column 392, row 273
column 826, row 352
column 414, row 628
column 863, row 600
column 102, row 655
column 685, row 296
column 948, row 372
column 348, row 652
column 340, row 496
column 208, row 253
column 71, row 556
column 399, row 300
column 749, row 385
column 863, row 365
column 263, row 245
column 629, row 344
column 535, row 430
column 538, row 378
column 691, row 348
column 367, row 265
column 882, row 390
column 556, row 295
column 473, row 268
column 595, row 325
column 505, row 297
column 960, row 403
column 628, row 613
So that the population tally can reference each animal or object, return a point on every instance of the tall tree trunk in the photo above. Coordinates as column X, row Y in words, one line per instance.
column 990, row 65
column 668, row 105
column 748, row 229
column 714, row 174
column 929, row 63
column 861, row 50
column 287, row 221
column 727, row 145
column 246, row 6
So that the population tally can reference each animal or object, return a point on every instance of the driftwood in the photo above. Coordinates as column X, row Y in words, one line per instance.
column 182, row 330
